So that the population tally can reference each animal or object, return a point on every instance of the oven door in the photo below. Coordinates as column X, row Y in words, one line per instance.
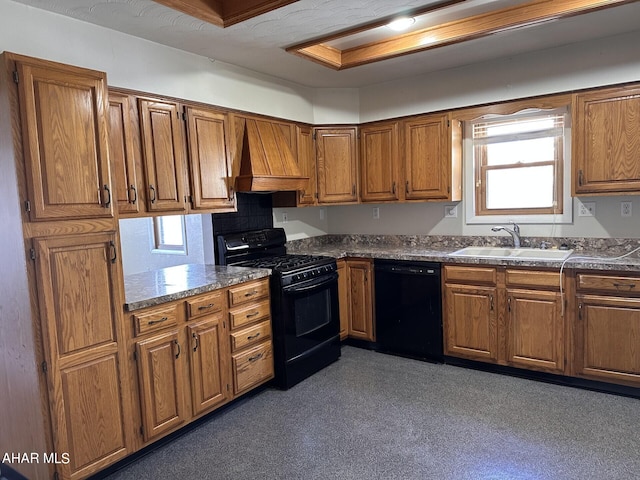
column 310, row 314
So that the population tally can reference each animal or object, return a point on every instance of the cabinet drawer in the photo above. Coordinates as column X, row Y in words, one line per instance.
column 532, row 278
column 205, row 304
column 249, row 314
column 252, row 367
column 250, row 336
column 609, row 283
column 155, row 319
column 248, row 292
column 470, row 274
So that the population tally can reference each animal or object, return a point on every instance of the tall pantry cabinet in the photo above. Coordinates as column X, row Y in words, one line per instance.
column 63, row 384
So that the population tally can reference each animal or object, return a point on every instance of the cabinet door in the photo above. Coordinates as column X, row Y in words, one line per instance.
column 77, row 290
column 379, row 163
column 307, row 164
column 606, row 141
column 431, row 161
column 535, row 330
column 208, row 363
column 161, row 383
column 64, row 112
column 607, row 333
column 336, row 158
column 122, row 151
column 361, row 304
column 470, row 322
column 163, row 151
column 343, row 298
column 208, row 132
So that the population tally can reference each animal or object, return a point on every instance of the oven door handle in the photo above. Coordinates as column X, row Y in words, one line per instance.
column 311, row 284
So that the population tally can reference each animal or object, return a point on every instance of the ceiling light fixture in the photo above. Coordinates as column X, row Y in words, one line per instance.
column 400, row 24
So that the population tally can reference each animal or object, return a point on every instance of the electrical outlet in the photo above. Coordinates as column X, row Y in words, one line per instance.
column 451, row 211
column 587, row 209
column 322, row 214
column 626, row 209
column 285, row 218
column 376, row 213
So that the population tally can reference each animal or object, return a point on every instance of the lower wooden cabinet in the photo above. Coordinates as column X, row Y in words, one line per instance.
column 503, row 315
column 355, row 294
column 192, row 356
column 161, row 383
column 607, row 328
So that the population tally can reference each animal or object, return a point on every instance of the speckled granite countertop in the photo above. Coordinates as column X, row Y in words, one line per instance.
column 585, row 256
column 173, row 283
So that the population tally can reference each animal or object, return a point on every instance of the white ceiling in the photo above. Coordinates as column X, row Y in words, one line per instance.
column 258, row 44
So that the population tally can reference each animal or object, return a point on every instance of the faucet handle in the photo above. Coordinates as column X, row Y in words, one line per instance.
column 545, row 245
column 516, row 227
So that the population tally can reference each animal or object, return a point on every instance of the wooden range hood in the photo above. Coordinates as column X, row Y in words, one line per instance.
column 267, row 163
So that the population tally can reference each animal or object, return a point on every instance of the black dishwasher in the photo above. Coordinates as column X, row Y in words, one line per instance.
column 408, row 308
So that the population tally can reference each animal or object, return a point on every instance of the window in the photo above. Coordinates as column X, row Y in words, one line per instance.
column 169, row 234
column 518, row 162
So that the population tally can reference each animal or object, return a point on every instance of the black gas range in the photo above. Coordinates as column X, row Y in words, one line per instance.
column 304, row 301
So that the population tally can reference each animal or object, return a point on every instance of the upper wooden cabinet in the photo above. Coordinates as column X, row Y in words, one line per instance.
column 123, row 148
column 379, row 163
column 163, row 150
column 63, row 111
column 337, row 164
column 606, row 141
column 432, row 152
column 209, row 162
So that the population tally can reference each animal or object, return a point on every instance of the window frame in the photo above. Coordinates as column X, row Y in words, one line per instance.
column 541, row 104
column 157, row 244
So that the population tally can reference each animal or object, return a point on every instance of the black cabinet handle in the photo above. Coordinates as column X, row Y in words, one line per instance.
column 178, row 345
column 206, row 307
column 251, row 294
column 491, row 302
column 406, row 187
column 114, row 252
column 255, row 357
column 153, row 190
column 509, row 303
column 353, row 189
column 108, row 202
column 393, row 188
column 135, row 194
column 153, row 322
column 624, row 285
column 197, row 341
column 251, row 337
column 254, row 314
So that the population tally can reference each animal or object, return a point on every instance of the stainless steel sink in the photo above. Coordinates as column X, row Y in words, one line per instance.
column 513, row 253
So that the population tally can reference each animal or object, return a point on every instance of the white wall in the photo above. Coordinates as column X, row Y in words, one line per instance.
column 136, row 240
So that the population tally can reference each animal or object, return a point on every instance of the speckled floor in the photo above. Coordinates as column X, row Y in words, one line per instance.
column 375, row 416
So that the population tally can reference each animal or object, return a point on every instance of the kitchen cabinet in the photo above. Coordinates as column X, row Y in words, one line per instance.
column 470, row 313
column 360, row 291
column 250, row 322
column 79, row 304
column 606, row 141
column 63, row 110
column 432, row 152
column 607, row 328
column 164, row 155
column 209, row 161
column 503, row 315
column 343, row 297
column 379, row 162
column 337, row 164
column 124, row 152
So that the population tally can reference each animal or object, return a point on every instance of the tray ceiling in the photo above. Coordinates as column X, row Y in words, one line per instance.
column 259, row 43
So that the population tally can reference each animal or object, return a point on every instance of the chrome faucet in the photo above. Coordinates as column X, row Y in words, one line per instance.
column 514, row 232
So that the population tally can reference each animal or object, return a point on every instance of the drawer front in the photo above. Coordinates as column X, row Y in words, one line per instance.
column 532, row 278
column 156, row 319
column 248, row 292
column 252, row 367
column 249, row 314
column 250, row 336
column 205, row 304
column 609, row 283
column 473, row 275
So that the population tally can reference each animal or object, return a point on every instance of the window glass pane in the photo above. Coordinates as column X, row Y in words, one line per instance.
column 524, row 187
column 170, row 230
column 519, row 126
column 523, row 151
